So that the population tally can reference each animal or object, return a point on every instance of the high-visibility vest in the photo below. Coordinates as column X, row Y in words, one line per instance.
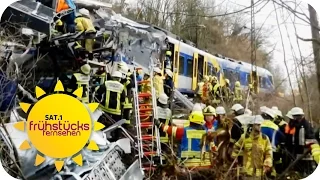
column 190, row 143
column 127, row 104
column 190, row 150
column 101, row 78
column 83, row 81
column 112, row 97
column 164, row 113
column 289, row 130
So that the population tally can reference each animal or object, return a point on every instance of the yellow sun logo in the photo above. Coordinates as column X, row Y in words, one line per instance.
column 59, row 126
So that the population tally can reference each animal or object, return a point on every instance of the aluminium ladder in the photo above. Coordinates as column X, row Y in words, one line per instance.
column 144, row 113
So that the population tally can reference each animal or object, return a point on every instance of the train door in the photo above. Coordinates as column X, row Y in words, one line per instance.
column 195, row 71
column 205, row 66
column 175, row 64
column 254, row 79
column 201, row 67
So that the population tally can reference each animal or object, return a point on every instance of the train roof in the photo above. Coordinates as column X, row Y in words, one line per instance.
column 228, row 62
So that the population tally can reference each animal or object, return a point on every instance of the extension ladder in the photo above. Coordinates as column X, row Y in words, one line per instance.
column 148, row 145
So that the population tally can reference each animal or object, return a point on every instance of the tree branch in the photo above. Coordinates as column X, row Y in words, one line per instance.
column 309, row 40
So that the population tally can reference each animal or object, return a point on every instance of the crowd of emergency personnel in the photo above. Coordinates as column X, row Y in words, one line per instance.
column 209, row 91
column 263, row 143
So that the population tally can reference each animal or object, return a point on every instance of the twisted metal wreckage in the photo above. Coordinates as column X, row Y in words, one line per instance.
column 127, row 41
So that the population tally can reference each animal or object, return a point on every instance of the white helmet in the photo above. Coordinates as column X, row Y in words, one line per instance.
column 274, row 108
column 278, row 113
column 84, row 12
column 169, row 72
column 296, row 111
column 269, row 112
column 237, row 107
column 157, row 70
column 116, row 74
column 220, row 110
column 248, row 111
column 257, row 119
column 289, row 115
column 163, row 98
column 262, row 108
column 197, row 107
column 85, row 69
column 123, row 68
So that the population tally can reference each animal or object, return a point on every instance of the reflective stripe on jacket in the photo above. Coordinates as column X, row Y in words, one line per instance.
column 259, row 148
column 83, row 81
column 127, row 103
column 112, row 97
column 190, row 143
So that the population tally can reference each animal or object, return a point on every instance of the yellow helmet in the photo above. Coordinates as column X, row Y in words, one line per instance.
column 237, row 84
column 168, row 53
column 209, row 111
column 196, row 117
column 227, row 81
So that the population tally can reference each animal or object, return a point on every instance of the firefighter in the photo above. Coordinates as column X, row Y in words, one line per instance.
column 303, row 131
column 270, row 129
column 226, row 91
column 257, row 151
column 84, row 23
column 158, row 82
column 216, row 91
column 128, row 85
column 168, row 82
column 237, row 92
column 111, row 96
column 236, row 130
column 163, row 115
column 81, row 79
column 222, row 121
column 189, row 150
column 146, row 86
column 199, row 88
column 209, row 116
